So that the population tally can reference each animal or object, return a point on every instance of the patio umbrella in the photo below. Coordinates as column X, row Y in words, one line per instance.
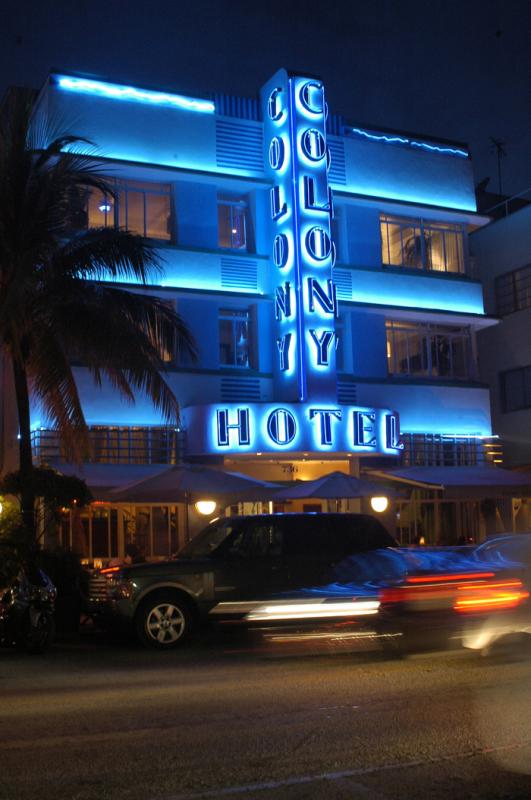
column 190, row 483
column 334, row 486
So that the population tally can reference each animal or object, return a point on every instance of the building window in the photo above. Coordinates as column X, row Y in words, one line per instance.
column 141, row 208
column 516, row 389
column 513, row 291
column 421, row 244
column 232, row 224
column 235, row 348
column 169, row 355
column 431, row 351
column 102, row 531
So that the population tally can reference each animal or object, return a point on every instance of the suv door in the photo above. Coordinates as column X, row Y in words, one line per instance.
column 311, row 549
column 317, row 546
column 251, row 565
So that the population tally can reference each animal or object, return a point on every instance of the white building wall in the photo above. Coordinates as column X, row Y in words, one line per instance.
column 501, row 247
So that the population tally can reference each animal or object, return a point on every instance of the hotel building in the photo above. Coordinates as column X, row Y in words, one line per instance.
column 323, row 269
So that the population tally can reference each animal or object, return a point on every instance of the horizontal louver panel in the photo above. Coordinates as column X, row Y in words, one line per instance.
column 337, row 172
column 239, row 273
column 347, row 393
column 239, row 145
column 343, row 283
column 242, row 107
column 238, row 389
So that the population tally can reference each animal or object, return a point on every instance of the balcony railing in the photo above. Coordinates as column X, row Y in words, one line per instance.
column 510, row 204
column 439, row 450
column 115, row 445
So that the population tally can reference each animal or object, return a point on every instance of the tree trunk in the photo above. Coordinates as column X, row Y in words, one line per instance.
column 27, row 497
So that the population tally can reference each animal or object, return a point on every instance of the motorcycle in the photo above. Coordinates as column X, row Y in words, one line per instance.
column 27, row 612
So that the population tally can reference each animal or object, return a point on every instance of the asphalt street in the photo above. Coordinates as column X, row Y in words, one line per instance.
column 96, row 720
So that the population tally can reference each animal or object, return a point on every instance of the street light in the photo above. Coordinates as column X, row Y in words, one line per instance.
column 379, row 504
column 205, row 507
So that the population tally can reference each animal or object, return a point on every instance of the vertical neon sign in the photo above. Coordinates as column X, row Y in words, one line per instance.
column 297, row 160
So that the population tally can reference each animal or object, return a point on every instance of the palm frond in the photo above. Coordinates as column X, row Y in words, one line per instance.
column 58, row 304
column 54, row 385
column 130, row 332
column 106, row 254
column 58, row 146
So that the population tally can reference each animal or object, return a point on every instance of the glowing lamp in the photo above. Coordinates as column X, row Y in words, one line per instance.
column 379, row 504
column 205, row 507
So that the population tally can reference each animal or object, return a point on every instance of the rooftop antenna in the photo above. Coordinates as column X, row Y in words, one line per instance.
column 499, row 147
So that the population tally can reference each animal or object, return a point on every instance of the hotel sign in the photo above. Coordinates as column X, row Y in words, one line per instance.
column 290, row 428
column 304, row 416
column 297, row 160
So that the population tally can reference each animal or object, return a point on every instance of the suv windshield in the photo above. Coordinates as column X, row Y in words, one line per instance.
column 206, row 542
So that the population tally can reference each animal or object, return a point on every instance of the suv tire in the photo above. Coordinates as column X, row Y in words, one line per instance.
column 163, row 621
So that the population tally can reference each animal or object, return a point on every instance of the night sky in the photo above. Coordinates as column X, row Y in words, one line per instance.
column 455, row 69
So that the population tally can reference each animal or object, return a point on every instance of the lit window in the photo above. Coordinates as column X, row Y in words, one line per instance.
column 234, row 338
column 421, row 244
column 168, row 354
column 431, row 351
column 141, row 208
column 232, row 224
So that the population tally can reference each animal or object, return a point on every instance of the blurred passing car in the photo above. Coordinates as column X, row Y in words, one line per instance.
column 449, row 597
column 508, row 628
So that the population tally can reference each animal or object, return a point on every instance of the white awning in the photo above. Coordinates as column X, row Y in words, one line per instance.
column 462, row 481
column 101, row 478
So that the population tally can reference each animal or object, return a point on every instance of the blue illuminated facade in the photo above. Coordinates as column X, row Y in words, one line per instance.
column 302, row 226
column 322, row 268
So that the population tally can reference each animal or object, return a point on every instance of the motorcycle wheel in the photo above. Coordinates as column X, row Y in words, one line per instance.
column 35, row 639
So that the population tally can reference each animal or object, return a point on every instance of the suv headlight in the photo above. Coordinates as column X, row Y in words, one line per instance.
column 119, row 589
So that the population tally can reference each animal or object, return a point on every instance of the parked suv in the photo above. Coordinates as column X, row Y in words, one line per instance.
column 233, row 566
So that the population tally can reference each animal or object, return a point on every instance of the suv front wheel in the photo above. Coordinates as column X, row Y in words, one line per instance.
column 163, row 621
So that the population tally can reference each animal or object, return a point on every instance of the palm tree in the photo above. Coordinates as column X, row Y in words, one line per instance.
column 55, row 306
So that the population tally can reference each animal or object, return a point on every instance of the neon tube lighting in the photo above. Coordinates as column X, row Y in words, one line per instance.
column 115, row 92
column 452, row 151
column 413, row 431
column 468, row 436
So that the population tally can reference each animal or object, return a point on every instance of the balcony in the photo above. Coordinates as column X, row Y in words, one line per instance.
column 114, row 445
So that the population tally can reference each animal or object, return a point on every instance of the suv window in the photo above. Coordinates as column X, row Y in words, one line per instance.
column 325, row 536
column 314, row 537
column 258, row 540
column 367, row 533
column 334, row 535
column 208, row 540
